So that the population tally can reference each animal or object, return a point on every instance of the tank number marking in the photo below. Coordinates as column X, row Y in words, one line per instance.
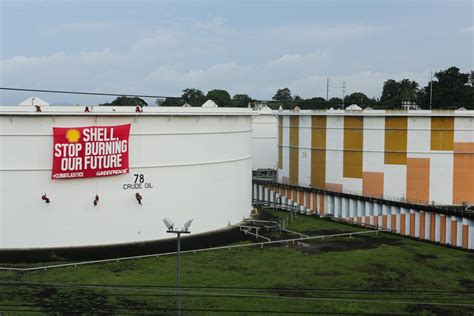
column 139, row 177
column 138, row 184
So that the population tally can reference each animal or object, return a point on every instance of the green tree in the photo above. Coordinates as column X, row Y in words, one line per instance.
column 171, row 102
column 193, row 97
column 335, row 103
column 312, row 104
column 241, row 100
column 283, row 95
column 357, row 98
column 394, row 92
column 451, row 89
column 221, row 97
column 408, row 90
column 126, row 101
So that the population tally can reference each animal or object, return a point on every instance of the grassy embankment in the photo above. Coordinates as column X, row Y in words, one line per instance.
column 364, row 274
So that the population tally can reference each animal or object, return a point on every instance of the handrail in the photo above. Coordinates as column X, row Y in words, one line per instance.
column 157, row 255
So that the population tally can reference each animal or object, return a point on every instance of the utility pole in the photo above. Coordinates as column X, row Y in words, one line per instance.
column 431, row 89
column 327, row 89
column 343, row 94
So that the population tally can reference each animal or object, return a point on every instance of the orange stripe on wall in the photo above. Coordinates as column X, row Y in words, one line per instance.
column 394, row 222
column 463, row 175
column 412, row 224
column 454, row 232
column 321, row 204
column 442, row 229
column 432, row 226
column 465, row 236
column 301, row 198
column 353, row 146
column 315, row 201
column 384, row 221
column 336, row 187
column 442, row 133
column 395, row 140
column 318, row 151
column 372, row 183
column 376, row 220
column 402, row 223
column 418, row 179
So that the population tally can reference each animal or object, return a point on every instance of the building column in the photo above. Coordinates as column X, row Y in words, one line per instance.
column 413, row 223
column 394, row 211
column 369, row 216
column 360, row 211
column 344, row 208
column 337, row 207
column 377, row 210
column 404, row 229
column 352, row 210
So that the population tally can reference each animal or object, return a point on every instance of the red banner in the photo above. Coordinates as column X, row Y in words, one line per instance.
column 91, row 151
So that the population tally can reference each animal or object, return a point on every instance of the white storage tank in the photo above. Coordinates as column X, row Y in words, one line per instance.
column 181, row 163
column 264, row 139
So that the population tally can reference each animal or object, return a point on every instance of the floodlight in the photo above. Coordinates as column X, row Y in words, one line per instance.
column 169, row 224
column 187, row 224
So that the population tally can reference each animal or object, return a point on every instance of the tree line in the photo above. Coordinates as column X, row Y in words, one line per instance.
column 451, row 89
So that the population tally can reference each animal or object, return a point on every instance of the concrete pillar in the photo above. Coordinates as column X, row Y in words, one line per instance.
column 377, row 210
column 437, row 227
column 465, row 243
column 369, row 216
column 330, row 204
column 403, row 228
column 447, row 229
column 360, row 211
column 414, row 223
column 453, row 231
column 337, row 207
column 352, row 210
column 344, row 208
column 459, row 231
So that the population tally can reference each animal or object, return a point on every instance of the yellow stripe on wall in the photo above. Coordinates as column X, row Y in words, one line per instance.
column 280, row 142
column 353, row 146
column 318, row 152
column 442, row 133
column 294, row 148
column 396, row 140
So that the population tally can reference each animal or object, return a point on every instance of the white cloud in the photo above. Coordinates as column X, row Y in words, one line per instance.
column 206, row 54
column 469, row 29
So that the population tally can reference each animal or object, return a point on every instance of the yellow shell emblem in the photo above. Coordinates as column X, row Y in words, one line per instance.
column 73, row 135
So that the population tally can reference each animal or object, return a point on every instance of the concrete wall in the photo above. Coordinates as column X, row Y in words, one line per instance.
column 445, row 229
column 419, row 156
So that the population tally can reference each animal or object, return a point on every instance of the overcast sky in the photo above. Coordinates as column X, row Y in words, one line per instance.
column 253, row 47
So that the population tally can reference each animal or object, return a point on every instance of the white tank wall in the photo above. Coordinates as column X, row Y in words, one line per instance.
column 264, row 140
column 199, row 166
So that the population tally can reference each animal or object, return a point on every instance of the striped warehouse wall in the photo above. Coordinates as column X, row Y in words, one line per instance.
column 418, row 156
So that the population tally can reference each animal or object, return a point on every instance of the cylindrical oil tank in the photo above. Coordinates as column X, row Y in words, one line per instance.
column 264, row 139
column 417, row 156
column 183, row 163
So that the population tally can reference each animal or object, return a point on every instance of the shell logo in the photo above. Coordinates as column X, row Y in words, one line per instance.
column 73, row 135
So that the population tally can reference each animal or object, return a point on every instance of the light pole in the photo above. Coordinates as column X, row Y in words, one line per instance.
column 185, row 230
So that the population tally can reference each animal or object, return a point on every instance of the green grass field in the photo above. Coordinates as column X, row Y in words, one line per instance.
column 369, row 273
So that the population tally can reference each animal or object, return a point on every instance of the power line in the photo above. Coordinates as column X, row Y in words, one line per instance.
column 87, row 93
column 108, row 94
